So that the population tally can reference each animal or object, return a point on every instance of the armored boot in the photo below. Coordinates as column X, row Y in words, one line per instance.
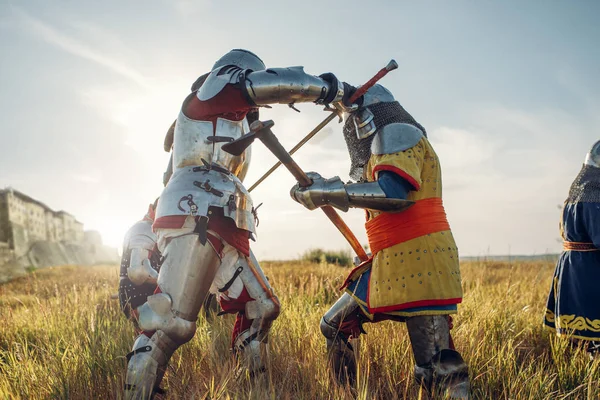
column 438, row 368
column 146, row 366
column 342, row 360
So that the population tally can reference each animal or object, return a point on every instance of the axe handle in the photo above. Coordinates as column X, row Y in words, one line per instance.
column 272, row 143
column 296, row 147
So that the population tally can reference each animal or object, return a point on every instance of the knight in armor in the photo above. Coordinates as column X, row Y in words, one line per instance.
column 413, row 274
column 205, row 217
column 573, row 307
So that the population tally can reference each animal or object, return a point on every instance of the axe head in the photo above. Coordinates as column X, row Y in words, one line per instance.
column 238, row 146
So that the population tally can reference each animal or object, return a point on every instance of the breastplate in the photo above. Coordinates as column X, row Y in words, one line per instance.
column 195, row 141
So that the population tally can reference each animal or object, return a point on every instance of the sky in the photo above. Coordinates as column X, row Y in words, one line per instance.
column 508, row 91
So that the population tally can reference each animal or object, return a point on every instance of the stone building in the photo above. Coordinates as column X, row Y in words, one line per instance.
column 25, row 221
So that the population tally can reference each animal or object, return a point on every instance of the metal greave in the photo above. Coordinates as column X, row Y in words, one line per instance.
column 436, row 365
column 184, row 281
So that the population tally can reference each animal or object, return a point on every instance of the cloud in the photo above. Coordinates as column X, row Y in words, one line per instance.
column 71, row 45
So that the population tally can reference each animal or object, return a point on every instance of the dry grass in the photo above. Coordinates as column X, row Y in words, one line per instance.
column 61, row 336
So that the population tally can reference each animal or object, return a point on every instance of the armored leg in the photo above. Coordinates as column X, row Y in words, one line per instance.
column 436, row 365
column 260, row 312
column 341, row 322
column 184, row 281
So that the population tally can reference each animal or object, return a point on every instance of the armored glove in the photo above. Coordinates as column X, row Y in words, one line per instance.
column 333, row 192
column 322, row 192
column 341, row 98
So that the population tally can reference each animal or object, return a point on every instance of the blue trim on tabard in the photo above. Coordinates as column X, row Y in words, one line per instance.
column 360, row 286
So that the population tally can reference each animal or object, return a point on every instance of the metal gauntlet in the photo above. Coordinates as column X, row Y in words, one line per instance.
column 140, row 269
column 290, row 85
column 334, row 193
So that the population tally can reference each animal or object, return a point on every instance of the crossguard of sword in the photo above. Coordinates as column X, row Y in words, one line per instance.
column 262, row 131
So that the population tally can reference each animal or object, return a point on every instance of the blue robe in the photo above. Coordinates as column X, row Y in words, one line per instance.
column 573, row 307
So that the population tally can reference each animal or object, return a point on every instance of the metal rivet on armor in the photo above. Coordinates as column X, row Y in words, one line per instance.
column 418, row 258
column 410, row 252
column 417, row 250
column 401, row 253
column 440, row 272
column 451, row 256
column 424, row 251
column 442, row 233
column 449, row 248
column 420, row 282
column 419, row 274
column 403, row 285
column 429, row 273
column 389, row 288
column 412, row 275
column 435, row 251
column 387, row 263
column 402, row 277
column 395, row 254
column 396, row 279
column 401, row 261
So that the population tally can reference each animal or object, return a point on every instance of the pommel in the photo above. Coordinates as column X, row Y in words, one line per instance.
column 392, row 65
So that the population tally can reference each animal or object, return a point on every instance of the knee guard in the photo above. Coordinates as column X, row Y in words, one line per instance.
column 157, row 315
column 146, row 366
column 251, row 343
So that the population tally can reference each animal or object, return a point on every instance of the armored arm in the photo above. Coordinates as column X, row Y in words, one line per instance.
column 291, row 85
column 381, row 195
column 141, row 242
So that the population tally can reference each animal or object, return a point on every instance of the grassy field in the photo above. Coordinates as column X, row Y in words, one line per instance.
column 61, row 336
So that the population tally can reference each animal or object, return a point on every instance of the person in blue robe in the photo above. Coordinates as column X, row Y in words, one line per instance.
column 573, row 307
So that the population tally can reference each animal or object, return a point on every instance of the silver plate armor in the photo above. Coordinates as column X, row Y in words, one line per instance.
column 396, row 137
column 240, row 58
column 363, row 118
column 227, row 69
column 333, row 192
column 192, row 190
column 288, row 85
column 195, row 141
column 593, row 157
column 140, row 240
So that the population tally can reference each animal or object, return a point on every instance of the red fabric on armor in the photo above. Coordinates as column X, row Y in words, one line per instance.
column 150, row 215
column 238, row 306
column 230, row 233
column 230, row 103
column 223, row 226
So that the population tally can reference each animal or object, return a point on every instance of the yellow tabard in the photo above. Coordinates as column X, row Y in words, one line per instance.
column 422, row 268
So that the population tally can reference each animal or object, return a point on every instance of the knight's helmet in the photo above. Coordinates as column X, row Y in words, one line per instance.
column 241, row 58
column 378, row 109
column 593, row 156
